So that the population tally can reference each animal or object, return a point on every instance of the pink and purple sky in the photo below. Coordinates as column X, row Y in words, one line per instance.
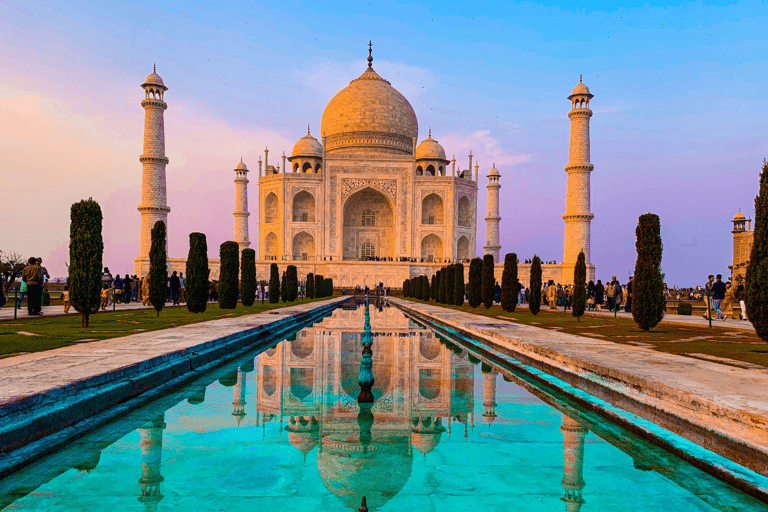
column 679, row 126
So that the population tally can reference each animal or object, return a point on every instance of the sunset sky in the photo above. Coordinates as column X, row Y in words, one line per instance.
column 679, row 126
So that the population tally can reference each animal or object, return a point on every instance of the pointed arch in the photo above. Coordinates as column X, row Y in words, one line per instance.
column 462, row 248
column 303, row 207
column 270, row 208
column 432, row 210
column 431, row 247
column 465, row 213
column 303, row 246
column 270, row 246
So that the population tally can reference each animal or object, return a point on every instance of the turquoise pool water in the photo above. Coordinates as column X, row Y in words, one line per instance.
column 281, row 430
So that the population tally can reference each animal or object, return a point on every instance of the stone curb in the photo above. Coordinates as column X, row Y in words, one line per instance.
column 31, row 419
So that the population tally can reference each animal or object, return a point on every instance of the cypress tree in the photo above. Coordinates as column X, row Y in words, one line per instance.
column 86, row 248
column 438, row 284
column 475, row 282
column 580, row 287
column 405, row 288
column 489, row 281
column 534, row 295
column 433, row 287
column 319, row 291
column 310, row 285
column 329, row 287
column 458, row 284
column 248, row 277
column 509, row 283
column 274, row 284
column 284, row 289
column 450, row 284
column 427, row 292
column 197, row 273
column 228, row 273
column 648, row 287
column 158, row 267
column 293, row 283
column 757, row 270
column 443, row 286
column 418, row 288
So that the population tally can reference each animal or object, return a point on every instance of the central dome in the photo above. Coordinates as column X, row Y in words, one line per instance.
column 369, row 114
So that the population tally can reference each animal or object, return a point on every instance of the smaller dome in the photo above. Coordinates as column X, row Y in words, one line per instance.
column 493, row 171
column 580, row 90
column 241, row 166
column 430, row 149
column 154, row 79
column 307, row 146
column 739, row 216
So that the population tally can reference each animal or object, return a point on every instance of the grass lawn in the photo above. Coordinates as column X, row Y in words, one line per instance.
column 60, row 331
column 739, row 345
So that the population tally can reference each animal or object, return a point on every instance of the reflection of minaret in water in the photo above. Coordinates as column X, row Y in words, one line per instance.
column 573, row 453
column 151, row 462
column 366, row 379
column 238, row 397
column 489, row 396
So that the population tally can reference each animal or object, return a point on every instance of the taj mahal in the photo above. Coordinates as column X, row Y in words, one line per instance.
column 367, row 202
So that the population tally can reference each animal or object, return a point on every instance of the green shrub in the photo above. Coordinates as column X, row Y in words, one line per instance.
column 274, row 284
column 509, row 283
column 86, row 248
column 158, row 267
column 489, row 281
column 458, row 285
column 418, row 288
column 534, row 294
column 685, row 308
column 648, row 287
column 229, row 271
column 433, row 288
column 319, row 290
column 284, row 289
column 248, row 277
column 450, row 284
column 293, row 283
column 474, row 293
column 197, row 273
column 310, row 285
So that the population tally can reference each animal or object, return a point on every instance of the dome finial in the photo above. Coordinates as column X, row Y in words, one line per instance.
column 154, row 68
column 430, row 133
column 580, row 79
column 370, row 56
column 307, row 129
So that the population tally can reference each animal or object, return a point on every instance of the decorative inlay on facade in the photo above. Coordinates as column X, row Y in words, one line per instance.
column 350, row 186
column 375, row 139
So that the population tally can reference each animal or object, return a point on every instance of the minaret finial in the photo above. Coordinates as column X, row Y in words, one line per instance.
column 430, row 133
column 580, row 79
column 370, row 56
column 154, row 68
column 307, row 128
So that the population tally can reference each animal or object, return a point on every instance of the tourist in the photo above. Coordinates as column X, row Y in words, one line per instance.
column 610, row 298
column 618, row 293
column 718, row 294
column 708, row 295
column 105, row 291
column 145, row 289
column 182, row 287
column 741, row 295
column 43, row 270
column 65, row 299
column 118, row 284
column 127, row 288
column 727, row 306
column 22, row 294
column 599, row 295
column 628, row 307
column 175, row 286
column 33, row 277
column 106, row 277
column 552, row 295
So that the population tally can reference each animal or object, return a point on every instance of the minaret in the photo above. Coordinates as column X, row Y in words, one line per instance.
column 577, row 216
column 153, row 205
column 151, row 462
column 489, row 396
column 573, row 454
column 492, row 217
column 238, row 397
column 241, row 206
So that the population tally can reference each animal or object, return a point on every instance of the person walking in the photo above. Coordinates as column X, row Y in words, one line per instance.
column 628, row 307
column 127, row 288
column 708, row 296
column 182, row 287
column 718, row 294
column 599, row 294
column 65, row 299
column 175, row 285
column 33, row 277
column 610, row 292
column 740, row 295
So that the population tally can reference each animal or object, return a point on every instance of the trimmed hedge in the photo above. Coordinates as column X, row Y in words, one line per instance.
column 198, row 272
column 229, row 254
column 247, row 277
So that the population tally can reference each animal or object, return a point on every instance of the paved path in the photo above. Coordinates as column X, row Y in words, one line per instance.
column 731, row 401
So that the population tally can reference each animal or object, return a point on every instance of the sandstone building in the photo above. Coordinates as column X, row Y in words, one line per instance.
column 366, row 203
column 743, row 237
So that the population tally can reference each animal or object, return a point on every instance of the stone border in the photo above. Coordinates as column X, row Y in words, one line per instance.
column 735, row 434
column 36, row 424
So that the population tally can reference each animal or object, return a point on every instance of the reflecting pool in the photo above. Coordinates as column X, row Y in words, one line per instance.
column 282, row 430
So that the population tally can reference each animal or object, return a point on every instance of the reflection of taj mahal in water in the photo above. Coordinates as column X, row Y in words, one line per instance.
column 368, row 202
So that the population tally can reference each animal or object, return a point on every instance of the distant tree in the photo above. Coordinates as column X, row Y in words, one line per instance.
column 310, row 285
column 247, row 277
column 534, row 295
column 509, row 283
column 579, row 287
column 284, row 288
column 319, row 290
column 197, row 273
column 405, row 288
column 229, row 271
column 11, row 265
column 474, row 294
column 293, row 283
column 489, row 281
column 274, row 284
column 433, row 288
column 648, row 287
column 757, row 270
column 458, row 284
column 329, row 287
column 418, row 288
column 86, row 248
column 439, row 286
column 450, row 284
column 158, row 267
column 427, row 292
